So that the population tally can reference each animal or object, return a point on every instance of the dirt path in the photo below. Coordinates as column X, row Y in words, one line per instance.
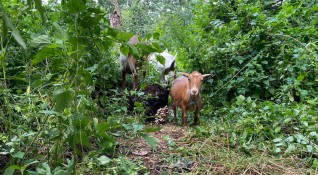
column 165, row 158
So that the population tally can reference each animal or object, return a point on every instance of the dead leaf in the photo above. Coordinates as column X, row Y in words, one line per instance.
column 140, row 153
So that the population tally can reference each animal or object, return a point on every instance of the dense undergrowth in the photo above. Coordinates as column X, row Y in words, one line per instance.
column 61, row 109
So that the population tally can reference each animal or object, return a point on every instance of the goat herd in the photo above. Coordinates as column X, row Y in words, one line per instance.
column 185, row 91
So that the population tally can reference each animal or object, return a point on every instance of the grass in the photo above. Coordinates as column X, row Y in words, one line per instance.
column 215, row 157
column 180, row 151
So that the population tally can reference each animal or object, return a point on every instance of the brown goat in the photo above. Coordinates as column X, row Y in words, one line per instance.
column 186, row 94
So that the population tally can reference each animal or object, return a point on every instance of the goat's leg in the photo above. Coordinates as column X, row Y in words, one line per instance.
column 184, row 117
column 135, row 81
column 196, row 118
column 144, row 68
column 144, row 73
column 163, row 80
column 174, row 75
column 123, row 79
column 174, row 107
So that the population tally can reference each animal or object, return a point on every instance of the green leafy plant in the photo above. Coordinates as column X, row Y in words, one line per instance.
column 281, row 129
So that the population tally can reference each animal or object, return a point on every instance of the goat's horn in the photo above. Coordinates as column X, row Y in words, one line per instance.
column 206, row 75
column 185, row 74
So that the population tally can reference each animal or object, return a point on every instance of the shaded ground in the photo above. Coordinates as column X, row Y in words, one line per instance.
column 169, row 137
column 178, row 152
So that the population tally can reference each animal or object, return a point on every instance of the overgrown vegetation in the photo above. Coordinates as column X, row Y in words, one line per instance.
column 61, row 109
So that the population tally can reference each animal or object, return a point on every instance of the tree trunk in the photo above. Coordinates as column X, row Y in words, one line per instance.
column 115, row 17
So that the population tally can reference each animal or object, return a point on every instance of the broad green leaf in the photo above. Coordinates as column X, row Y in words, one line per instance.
column 290, row 139
column 2, row 57
column 124, row 49
column 151, row 141
column 279, row 144
column 10, row 170
column 301, row 139
column 78, row 138
column 47, row 52
column 278, row 150
column 78, row 43
column 53, row 133
column 59, row 32
column 76, row 6
column 244, row 135
column 112, row 32
column 147, row 49
column 287, row 120
column 290, row 148
column 134, row 51
column 28, row 164
column 92, row 69
column 63, row 98
column 157, row 47
column 277, row 140
column 91, row 19
column 266, row 82
column 82, row 138
column 80, row 121
column 40, row 40
column 161, row 59
column 19, row 155
column 241, row 61
column 123, row 37
column 240, row 99
column 102, row 127
column 309, row 148
column 15, row 32
column 49, row 112
column 103, row 160
column 59, row 171
column 105, row 44
column 47, row 168
column 233, row 139
column 70, row 162
column 314, row 134
column 277, row 130
column 4, row 153
column 156, row 35
column 137, row 127
column 303, row 92
column 127, row 127
column 312, row 102
column 314, row 163
column 152, row 129
column 301, row 77
column 86, row 77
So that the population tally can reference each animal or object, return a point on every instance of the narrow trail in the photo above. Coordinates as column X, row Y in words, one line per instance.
column 170, row 138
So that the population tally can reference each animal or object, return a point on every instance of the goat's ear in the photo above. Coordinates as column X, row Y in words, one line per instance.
column 185, row 74
column 206, row 75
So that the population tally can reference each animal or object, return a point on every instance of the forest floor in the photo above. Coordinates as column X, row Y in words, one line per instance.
column 179, row 152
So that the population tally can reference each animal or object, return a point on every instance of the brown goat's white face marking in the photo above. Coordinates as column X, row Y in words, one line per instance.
column 195, row 82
